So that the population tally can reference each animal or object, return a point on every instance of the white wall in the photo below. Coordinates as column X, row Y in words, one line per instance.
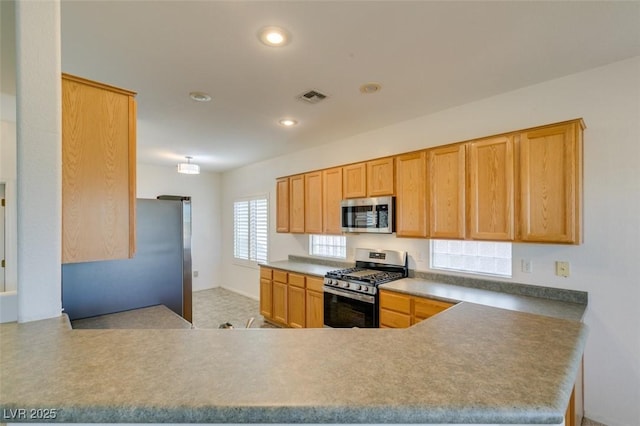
column 204, row 190
column 608, row 99
column 39, row 159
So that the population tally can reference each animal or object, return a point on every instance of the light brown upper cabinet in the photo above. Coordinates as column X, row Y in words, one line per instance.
column 296, row 204
column 551, row 183
column 354, row 180
column 380, row 177
column 411, row 195
column 282, row 205
column 524, row 186
column 332, row 195
column 98, row 171
column 447, row 192
column 491, row 196
column 313, row 203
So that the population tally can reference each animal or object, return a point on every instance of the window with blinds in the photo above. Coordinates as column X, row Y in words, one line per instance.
column 328, row 246
column 250, row 230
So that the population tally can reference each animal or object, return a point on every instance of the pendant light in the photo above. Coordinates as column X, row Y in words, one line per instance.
column 188, row 168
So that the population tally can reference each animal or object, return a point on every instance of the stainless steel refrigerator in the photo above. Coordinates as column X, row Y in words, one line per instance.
column 158, row 274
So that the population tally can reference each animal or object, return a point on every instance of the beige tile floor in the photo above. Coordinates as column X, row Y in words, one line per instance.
column 218, row 305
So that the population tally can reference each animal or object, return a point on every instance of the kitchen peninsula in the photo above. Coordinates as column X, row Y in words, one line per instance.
column 472, row 364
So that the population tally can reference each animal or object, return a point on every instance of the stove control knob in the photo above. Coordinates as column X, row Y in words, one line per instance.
column 345, row 285
column 363, row 287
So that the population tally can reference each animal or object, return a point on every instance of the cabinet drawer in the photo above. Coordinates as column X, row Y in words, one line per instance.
column 265, row 273
column 424, row 308
column 315, row 284
column 395, row 302
column 394, row 319
column 296, row 280
column 280, row 276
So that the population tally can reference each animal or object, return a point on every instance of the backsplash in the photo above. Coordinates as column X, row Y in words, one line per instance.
column 560, row 294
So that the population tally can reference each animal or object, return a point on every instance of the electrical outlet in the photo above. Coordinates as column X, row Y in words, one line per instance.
column 195, row 274
column 562, row 269
column 527, row 266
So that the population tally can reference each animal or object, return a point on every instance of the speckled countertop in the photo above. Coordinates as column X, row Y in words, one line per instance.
column 152, row 317
column 454, row 293
column 318, row 270
column 470, row 364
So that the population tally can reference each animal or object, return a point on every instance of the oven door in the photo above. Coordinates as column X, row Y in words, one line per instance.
column 345, row 309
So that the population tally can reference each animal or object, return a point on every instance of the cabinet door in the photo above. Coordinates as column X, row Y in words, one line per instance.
column 551, row 184
column 424, row 308
column 315, row 309
column 280, row 304
column 380, row 177
column 332, row 195
column 392, row 319
column 98, row 171
column 266, row 298
column 296, row 204
column 313, row 203
column 491, row 189
column 395, row 301
column 411, row 195
column 354, row 180
column 296, row 304
column 282, row 205
column 446, row 192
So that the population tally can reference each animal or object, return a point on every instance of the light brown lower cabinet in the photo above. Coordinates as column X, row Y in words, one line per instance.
column 314, row 303
column 280, row 296
column 575, row 408
column 291, row 300
column 398, row 310
column 296, row 301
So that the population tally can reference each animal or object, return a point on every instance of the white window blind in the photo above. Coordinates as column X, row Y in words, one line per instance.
column 481, row 257
column 328, row 246
column 250, row 230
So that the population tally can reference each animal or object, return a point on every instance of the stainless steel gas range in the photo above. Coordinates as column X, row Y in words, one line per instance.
column 351, row 295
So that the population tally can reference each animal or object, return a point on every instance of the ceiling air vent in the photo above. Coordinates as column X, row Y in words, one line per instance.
column 312, row 96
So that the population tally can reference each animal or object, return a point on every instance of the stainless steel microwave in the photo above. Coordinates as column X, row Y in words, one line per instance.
column 368, row 215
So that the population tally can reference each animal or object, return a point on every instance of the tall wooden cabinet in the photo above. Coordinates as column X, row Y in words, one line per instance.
column 313, row 203
column 446, row 185
column 296, row 204
column 98, row 171
column 411, row 195
column 551, row 183
column 380, row 177
column 331, row 198
column 282, row 205
column 354, row 180
column 491, row 196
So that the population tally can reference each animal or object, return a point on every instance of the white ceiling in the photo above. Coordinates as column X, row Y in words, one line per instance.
column 428, row 56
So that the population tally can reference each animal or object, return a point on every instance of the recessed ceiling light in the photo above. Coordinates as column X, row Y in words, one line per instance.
column 200, row 96
column 288, row 122
column 369, row 88
column 274, row 36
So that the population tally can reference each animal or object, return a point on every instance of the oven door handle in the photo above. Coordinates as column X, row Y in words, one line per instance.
column 356, row 296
